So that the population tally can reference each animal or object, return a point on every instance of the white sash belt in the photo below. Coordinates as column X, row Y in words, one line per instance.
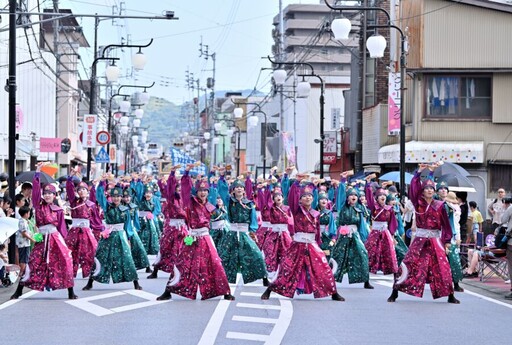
column 218, row 224
column 81, row 223
column 379, row 226
column 47, row 229
column 352, row 229
column 304, row 237
column 428, row 233
column 176, row 222
column 266, row 224
column 199, row 232
column 279, row 228
column 144, row 214
column 115, row 227
column 323, row 227
column 239, row 227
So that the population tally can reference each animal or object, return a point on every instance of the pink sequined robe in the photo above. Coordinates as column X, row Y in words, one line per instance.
column 198, row 263
column 426, row 261
column 304, row 267
column 263, row 203
column 380, row 245
column 175, row 228
column 81, row 239
column 277, row 243
column 50, row 264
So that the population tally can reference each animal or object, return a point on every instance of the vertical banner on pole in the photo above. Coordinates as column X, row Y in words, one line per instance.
column 394, row 103
column 90, row 128
column 289, row 148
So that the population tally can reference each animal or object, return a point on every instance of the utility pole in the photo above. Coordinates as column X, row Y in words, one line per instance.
column 58, row 84
column 281, row 96
column 210, row 84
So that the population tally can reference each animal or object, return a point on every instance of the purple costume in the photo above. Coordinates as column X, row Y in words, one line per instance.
column 304, row 267
column 198, row 263
column 81, row 239
column 50, row 264
column 175, row 228
column 426, row 261
column 380, row 246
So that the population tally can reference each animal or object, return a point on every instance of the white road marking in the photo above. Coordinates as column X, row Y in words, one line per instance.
column 14, row 301
column 247, row 336
column 258, row 295
column 488, row 298
column 258, row 306
column 212, row 328
column 86, row 305
column 254, row 319
column 283, row 322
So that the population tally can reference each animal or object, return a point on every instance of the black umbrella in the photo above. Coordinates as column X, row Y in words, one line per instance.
column 28, row 176
column 447, row 169
column 457, row 183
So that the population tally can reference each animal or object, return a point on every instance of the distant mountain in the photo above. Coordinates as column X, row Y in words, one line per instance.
column 166, row 120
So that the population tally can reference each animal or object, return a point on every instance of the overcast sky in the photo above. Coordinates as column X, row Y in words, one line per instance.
column 237, row 31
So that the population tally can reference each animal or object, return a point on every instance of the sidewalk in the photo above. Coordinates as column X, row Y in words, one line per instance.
column 494, row 287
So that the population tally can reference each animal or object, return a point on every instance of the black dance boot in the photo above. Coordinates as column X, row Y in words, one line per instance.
column 265, row 281
column 452, row 299
column 266, row 294
column 154, row 274
column 394, row 296
column 71, row 294
column 165, row 296
column 18, row 292
column 229, row 297
column 148, row 269
column 457, row 287
column 367, row 285
column 337, row 297
column 89, row 285
column 136, row 285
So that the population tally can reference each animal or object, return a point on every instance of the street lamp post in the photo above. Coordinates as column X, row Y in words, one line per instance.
column 109, row 123
column 302, row 90
column 237, row 145
column 92, row 101
column 239, row 113
column 379, row 43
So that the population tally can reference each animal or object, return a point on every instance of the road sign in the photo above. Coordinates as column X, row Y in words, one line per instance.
column 90, row 130
column 102, row 156
column 103, row 137
column 113, row 153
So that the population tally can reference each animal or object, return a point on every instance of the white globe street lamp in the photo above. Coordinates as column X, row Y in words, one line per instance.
column 215, row 140
column 238, row 112
column 196, row 141
column 124, row 121
column 136, row 123
column 139, row 60
column 279, row 76
column 376, row 45
column 124, row 106
column 144, row 97
column 341, row 28
column 206, row 135
column 204, row 146
column 112, row 72
column 139, row 113
column 217, row 126
column 124, row 130
column 303, row 89
column 252, row 121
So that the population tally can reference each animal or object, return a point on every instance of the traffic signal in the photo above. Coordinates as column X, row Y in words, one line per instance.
column 65, row 145
column 178, row 144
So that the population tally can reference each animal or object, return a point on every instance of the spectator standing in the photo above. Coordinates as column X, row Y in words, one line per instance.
column 24, row 238
column 507, row 220
column 476, row 220
column 497, row 208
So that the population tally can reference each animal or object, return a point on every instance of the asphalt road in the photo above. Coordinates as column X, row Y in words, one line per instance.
column 117, row 314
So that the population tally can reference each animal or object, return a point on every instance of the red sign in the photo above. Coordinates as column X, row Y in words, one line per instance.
column 329, row 158
column 49, row 145
column 103, row 137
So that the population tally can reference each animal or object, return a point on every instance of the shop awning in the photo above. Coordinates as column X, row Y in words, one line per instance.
column 432, row 151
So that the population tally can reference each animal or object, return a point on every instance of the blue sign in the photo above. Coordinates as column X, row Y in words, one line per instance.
column 102, row 156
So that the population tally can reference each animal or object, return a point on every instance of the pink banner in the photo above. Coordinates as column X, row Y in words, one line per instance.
column 19, row 118
column 49, row 145
column 289, row 148
column 394, row 104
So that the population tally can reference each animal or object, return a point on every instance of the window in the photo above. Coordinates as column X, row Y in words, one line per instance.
column 500, row 176
column 459, row 97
